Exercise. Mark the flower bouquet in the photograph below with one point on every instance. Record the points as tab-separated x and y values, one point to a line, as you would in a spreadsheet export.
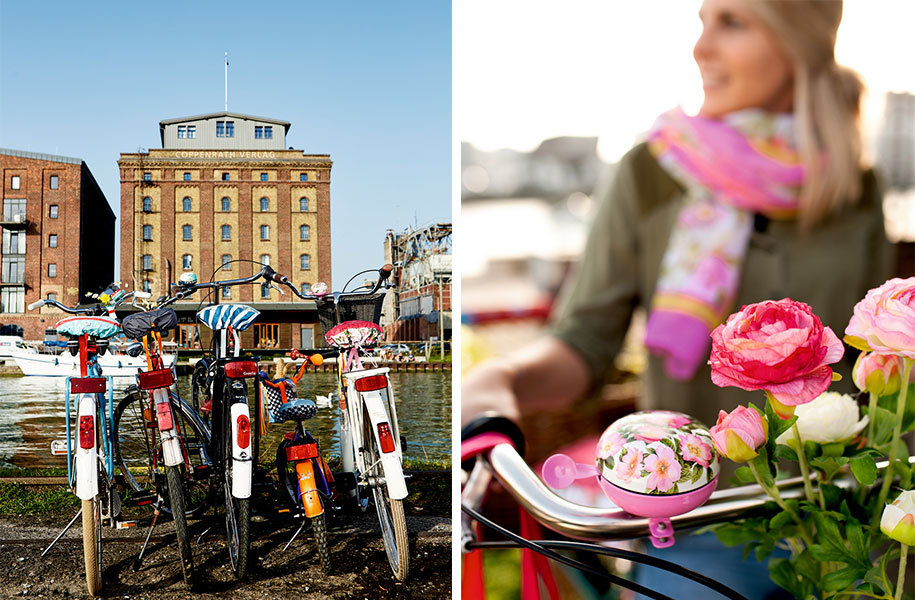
842	533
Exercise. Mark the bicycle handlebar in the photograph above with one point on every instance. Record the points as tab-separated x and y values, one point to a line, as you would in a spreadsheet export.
601	524
383	273
186	290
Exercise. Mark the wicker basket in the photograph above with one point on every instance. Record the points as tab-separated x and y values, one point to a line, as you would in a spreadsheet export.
359	308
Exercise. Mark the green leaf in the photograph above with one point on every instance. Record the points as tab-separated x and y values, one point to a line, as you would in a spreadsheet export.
831	493
904	470
735	535
890	403
776	425
812	450
828	465
833	449
744	475
854	533
783	574
884	422
841	579
808	566
749	548
698	470
824	554
785	452
780	520
874	576
864	468
761	462
827	531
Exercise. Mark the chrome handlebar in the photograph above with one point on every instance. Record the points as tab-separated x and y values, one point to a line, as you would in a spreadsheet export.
594	524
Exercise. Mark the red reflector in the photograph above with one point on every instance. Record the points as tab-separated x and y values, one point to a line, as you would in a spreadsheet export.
243	431
385	437
87	385
372	383
155	379
241	368
86	431
301	452
164	416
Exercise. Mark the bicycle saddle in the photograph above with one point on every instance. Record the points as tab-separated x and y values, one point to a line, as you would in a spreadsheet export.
300	409
138	325
221	316
354	333
97	327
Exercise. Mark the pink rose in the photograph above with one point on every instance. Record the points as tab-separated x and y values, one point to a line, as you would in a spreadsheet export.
694	449
663	469
630	465
609	444
739	434
780	347
885	320
878	373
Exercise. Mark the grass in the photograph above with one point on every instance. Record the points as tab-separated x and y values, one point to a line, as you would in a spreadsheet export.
21	499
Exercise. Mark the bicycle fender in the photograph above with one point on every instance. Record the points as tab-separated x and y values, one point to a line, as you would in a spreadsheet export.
390	462
171	447
86	459
242	461
308	491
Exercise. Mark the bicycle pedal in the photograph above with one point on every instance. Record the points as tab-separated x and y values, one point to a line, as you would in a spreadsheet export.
126	524
59	447
144	499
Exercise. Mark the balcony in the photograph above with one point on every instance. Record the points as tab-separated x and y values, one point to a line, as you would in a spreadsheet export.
14	221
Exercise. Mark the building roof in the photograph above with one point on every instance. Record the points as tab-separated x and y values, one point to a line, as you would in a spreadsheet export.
285	124
39	156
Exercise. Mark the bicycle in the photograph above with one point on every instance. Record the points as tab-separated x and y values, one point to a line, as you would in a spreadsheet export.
300	466
492	448
160	443
370	436
90	466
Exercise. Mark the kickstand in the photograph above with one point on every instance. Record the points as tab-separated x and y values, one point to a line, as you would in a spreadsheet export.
61	534
139	560
296	534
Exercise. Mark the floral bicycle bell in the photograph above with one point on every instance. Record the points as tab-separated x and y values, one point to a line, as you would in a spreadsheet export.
655	464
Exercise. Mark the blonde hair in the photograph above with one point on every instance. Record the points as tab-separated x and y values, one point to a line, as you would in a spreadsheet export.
827	100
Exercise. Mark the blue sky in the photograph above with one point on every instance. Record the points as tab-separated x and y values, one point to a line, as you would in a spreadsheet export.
367	82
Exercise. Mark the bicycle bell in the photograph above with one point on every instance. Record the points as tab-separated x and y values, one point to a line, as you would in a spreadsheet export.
186	279
655	464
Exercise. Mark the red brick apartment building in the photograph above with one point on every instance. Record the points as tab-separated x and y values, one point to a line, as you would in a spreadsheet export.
57	237
223	191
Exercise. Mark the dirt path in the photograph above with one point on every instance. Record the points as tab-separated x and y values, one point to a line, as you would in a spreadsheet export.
360	565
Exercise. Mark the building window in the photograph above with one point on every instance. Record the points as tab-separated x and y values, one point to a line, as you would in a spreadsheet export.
147	285
304	233
306	262
14	210
225	177
186	204
258	132
265	259
52	240
13	242
226	292
226	205
12	300
182	131
265	204
303	176
263	177
267	335
147	176
14	182
265	293
12	269
303	204
147	233
265	232
147	262
192	131
225	128
188	336
226	233
147	204
52	296
52	269
187	262
306	288
187	233
226	262
52	211
187	176
268	132
55	182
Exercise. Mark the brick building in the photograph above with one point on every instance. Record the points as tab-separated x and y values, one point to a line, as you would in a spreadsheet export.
57	237
224	188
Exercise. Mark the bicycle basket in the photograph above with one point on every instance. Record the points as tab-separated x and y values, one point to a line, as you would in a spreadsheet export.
358	308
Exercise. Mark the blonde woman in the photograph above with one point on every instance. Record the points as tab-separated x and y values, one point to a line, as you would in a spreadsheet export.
762	195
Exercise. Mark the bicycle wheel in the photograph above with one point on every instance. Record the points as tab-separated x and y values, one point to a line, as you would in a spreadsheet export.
390	511
92	544
238	516
319	529
176	498
138	452
288	481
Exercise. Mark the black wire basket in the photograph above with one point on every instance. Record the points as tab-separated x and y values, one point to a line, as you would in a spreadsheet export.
359	308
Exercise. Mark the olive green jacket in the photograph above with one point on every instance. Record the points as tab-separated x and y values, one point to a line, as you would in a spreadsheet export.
830	268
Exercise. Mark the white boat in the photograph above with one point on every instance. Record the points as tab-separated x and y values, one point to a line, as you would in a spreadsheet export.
14	345
66	365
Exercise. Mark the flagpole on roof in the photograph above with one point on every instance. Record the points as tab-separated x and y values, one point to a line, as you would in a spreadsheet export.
227	82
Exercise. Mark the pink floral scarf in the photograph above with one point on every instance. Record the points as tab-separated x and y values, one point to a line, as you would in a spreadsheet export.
731	168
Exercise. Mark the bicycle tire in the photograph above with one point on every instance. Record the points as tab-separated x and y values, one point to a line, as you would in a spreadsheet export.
390	511
176	498
137	451
92	544
319	529
289	482
238	515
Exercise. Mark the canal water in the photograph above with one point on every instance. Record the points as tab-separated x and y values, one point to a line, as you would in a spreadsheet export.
32	414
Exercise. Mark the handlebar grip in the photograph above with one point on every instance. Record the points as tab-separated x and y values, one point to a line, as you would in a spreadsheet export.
36	304
142	295
386	270
492	422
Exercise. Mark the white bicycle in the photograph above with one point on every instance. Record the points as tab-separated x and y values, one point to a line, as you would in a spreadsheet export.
370	437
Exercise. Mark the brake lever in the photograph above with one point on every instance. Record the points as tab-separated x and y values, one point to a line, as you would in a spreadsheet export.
277	288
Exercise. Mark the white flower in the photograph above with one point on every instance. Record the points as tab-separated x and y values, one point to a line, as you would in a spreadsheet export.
898	519
830	417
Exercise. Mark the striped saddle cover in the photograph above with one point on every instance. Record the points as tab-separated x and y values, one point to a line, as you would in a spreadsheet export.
222	316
